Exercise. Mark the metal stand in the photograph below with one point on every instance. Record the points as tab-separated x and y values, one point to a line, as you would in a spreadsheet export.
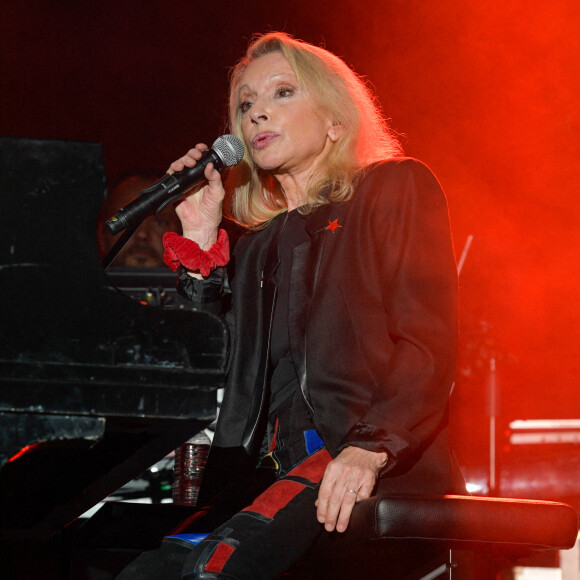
119	245
493	411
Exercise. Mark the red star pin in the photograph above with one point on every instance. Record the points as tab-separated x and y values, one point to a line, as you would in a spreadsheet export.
333	225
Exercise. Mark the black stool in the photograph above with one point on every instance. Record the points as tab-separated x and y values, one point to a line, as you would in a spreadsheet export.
453	537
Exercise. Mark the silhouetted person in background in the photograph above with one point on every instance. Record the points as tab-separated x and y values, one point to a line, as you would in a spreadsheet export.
145	248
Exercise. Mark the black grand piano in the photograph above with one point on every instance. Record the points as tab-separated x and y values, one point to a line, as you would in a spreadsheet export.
94	386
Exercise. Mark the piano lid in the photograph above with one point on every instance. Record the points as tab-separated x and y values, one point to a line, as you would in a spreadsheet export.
94	386
57	304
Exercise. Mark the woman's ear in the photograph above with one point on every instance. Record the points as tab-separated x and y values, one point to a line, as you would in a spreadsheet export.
335	131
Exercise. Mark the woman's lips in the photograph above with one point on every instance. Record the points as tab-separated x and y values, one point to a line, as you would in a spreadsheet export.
262	140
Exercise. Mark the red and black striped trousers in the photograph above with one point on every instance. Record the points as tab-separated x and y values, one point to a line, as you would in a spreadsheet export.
265	538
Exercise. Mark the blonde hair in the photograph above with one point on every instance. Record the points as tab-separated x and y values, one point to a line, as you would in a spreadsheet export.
255	197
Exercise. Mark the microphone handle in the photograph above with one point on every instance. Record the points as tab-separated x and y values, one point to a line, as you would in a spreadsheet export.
167	190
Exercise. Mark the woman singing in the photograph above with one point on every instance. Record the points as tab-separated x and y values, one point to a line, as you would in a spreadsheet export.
343	311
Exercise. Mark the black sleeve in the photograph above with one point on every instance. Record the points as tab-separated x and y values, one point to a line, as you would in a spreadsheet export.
205	294
414	252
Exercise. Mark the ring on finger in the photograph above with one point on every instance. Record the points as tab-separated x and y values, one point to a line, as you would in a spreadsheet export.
352	491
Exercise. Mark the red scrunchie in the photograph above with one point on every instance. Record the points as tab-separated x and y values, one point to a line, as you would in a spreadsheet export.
180	251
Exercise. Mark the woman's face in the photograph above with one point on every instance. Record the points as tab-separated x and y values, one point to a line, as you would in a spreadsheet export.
282	130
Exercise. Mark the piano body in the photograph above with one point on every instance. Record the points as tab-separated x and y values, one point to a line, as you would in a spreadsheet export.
94	386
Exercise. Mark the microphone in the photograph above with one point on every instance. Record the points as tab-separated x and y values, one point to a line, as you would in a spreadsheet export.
226	151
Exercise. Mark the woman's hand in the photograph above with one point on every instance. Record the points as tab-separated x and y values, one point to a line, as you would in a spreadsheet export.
353	470
201	210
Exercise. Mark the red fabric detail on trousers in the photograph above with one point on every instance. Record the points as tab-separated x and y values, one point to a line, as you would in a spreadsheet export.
277	496
313	468
273	442
219	558
282	492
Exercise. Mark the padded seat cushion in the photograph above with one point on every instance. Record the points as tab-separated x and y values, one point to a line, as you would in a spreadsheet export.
466	519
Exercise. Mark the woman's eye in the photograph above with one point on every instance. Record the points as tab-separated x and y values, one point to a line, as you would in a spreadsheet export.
245	106
284	92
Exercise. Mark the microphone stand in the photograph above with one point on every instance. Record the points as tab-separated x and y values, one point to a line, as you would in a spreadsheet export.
119	245
493	412
493	400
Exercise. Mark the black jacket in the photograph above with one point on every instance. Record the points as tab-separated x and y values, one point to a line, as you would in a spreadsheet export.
373	327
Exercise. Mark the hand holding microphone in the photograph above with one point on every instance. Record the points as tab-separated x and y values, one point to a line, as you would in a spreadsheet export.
201	212
226	151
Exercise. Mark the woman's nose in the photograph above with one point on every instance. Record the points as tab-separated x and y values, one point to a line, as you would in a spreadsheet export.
259	112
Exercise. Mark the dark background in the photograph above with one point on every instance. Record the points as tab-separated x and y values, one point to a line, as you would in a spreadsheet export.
486	93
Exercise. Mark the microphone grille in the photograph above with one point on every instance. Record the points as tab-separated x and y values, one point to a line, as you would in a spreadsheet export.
230	149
